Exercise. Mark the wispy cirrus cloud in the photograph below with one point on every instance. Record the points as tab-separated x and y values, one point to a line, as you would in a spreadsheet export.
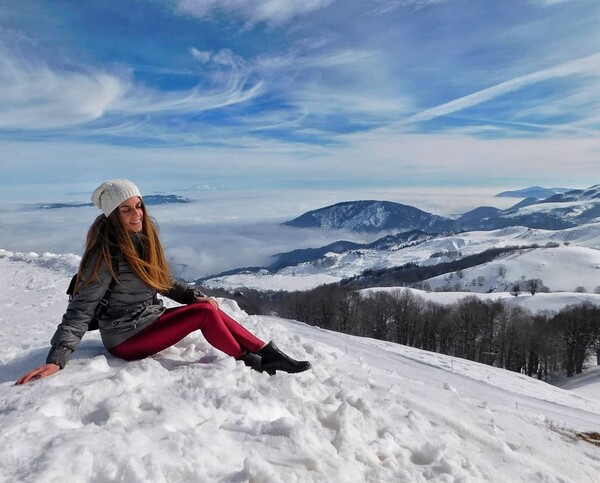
229	83
252	12
36	96
330	89
589	65
385	6
551	2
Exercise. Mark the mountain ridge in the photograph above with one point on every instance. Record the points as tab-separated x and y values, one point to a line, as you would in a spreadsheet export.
571	210
537	192
557	212
372	216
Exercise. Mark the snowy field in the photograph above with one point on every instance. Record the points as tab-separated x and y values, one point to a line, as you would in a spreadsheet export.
369	411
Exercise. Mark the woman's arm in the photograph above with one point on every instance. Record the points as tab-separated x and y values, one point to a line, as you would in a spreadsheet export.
79	313
74	325
39	373
188	295
183	293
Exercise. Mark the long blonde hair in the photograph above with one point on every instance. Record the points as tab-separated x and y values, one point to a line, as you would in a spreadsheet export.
107	239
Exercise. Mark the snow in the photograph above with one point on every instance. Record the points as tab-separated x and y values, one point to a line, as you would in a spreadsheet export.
288	281
368	411
569	209
562	268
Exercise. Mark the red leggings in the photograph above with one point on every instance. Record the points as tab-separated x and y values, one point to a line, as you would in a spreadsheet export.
220	330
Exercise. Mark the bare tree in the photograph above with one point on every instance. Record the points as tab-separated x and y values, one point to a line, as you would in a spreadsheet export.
377	311
533	285
405	311
511	341
579	329
468	314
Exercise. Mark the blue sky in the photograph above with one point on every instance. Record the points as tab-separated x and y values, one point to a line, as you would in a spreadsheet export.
282	94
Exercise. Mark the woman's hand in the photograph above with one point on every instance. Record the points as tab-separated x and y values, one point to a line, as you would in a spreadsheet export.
209	300
39	373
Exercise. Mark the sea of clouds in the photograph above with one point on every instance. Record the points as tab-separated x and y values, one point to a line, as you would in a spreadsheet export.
223	230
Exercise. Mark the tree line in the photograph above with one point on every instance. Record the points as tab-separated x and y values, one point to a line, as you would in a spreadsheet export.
486	331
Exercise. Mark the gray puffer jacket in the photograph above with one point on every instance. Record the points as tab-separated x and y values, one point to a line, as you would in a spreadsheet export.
132	306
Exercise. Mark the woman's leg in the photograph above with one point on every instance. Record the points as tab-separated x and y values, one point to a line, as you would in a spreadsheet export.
220	330
242	335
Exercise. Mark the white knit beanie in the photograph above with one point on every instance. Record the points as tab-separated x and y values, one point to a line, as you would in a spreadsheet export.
110	194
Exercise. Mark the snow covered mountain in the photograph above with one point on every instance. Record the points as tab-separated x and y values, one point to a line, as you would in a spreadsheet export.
590	194
388	242
563	259
570	217
559	211
536	192
368	411
373	216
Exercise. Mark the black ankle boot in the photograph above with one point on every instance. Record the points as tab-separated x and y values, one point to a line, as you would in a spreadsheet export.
275	360
252	360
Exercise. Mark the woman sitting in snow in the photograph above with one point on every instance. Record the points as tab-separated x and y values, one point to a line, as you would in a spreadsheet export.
123	245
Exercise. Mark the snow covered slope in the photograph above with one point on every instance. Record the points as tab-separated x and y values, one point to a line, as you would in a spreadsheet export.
368	411
562	269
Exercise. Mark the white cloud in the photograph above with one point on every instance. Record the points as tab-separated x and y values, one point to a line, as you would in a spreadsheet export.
334	82
36	96
385	6
551	2
202	56
231	85
426	159
367	159
274	12
587	65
